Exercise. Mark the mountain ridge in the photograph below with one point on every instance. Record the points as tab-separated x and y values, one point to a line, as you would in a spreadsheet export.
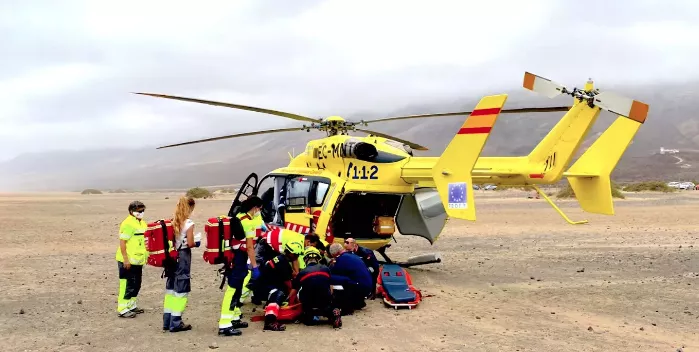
672	123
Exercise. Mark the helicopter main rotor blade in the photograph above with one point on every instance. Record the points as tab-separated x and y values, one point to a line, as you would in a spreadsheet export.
235	106
234	136
504	111
411	144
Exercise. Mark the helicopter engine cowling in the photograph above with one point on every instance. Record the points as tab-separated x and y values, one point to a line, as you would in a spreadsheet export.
360	150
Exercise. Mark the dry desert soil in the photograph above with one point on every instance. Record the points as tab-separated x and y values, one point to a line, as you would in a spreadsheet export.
518	279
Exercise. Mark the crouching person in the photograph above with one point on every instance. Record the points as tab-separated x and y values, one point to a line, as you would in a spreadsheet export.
350	272
314	290
274	283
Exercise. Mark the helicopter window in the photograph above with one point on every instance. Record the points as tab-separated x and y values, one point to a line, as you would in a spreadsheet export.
297	193
321	190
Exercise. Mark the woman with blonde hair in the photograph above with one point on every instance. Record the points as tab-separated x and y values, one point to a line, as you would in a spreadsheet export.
177	284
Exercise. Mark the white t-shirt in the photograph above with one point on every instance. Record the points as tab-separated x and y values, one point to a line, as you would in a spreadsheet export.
182	238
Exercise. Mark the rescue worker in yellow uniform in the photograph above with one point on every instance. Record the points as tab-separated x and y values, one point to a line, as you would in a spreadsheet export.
131	256
260	229
243	250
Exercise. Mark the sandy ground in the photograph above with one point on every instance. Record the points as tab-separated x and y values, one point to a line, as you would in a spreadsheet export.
512	281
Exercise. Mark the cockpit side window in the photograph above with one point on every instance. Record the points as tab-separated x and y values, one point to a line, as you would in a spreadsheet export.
321	190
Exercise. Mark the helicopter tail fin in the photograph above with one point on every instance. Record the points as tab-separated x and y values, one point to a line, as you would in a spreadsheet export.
589	177
452	172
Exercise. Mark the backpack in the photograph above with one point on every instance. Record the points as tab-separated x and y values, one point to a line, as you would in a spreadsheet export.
160	243
220	231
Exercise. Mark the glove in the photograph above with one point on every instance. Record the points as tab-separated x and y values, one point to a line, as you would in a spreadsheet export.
255	273
197	239
264	228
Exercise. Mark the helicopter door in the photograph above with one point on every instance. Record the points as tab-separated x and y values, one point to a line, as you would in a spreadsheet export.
422	214
247	189
326	212
297	214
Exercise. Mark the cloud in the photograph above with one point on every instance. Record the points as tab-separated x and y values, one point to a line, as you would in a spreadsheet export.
67	69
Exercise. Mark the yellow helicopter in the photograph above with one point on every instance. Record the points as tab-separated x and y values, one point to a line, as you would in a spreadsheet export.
345	186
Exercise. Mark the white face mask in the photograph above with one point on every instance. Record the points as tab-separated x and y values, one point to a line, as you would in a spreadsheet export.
138	215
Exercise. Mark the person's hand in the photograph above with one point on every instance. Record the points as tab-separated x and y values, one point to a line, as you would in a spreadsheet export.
255	273
127	265
197	239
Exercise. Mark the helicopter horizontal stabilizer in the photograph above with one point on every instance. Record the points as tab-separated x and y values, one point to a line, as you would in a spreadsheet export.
589	177
452	172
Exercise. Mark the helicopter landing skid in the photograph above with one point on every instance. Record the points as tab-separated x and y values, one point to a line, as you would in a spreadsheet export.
430	258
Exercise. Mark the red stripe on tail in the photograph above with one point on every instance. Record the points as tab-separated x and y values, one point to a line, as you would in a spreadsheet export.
474	130
481	112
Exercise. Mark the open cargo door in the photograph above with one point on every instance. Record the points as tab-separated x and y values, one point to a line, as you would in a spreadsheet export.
422	214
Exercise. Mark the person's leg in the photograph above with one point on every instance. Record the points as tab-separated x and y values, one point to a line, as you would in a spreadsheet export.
225	327
134	287
246	291
274	303
182	288
123	301
240	270
167	302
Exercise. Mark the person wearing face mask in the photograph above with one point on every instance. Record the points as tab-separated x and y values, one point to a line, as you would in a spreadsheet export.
131	256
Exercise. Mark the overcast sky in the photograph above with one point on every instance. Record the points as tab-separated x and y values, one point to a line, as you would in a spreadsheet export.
67	67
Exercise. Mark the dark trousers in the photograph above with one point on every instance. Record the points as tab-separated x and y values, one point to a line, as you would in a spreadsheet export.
236	275
129	286
316	303
177	288
133	277
351	297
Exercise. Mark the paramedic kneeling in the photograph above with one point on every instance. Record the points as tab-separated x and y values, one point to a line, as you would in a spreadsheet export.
368	258
131	256
243	250
274	283
314	290
350	272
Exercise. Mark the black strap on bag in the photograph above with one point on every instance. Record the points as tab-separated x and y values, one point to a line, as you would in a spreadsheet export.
223	271
168	267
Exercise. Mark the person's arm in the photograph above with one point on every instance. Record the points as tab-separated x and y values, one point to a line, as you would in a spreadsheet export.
122	246
125	234
295	267
251	251
190	237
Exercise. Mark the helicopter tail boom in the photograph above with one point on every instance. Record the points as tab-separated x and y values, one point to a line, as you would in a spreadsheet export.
451	173
589	177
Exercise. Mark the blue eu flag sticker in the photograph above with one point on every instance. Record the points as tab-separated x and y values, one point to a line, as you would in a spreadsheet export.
457	195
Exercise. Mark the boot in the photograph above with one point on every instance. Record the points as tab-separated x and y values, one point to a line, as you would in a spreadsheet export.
337	318
129	314
181	327
230	331
138	310
238	324
274	326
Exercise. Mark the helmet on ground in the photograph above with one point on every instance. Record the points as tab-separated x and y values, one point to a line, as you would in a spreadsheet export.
136	205
311	252
294	248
